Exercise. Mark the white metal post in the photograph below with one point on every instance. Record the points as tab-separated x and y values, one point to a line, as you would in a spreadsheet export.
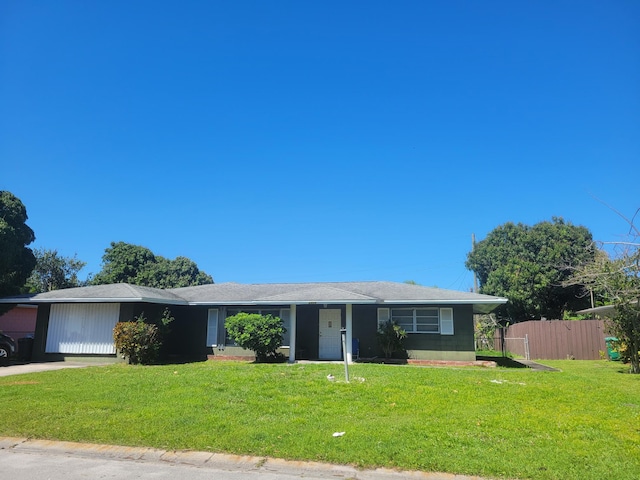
349	327
292	334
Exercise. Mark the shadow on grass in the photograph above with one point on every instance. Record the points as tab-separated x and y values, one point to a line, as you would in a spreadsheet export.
385	361
502	361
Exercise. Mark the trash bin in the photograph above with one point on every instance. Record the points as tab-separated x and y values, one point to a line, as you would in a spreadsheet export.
611	351
25	348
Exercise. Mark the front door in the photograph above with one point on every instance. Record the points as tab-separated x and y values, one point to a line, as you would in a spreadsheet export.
330	341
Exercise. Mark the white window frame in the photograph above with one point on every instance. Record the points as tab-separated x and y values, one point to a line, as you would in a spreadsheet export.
444	323
212	327
384	315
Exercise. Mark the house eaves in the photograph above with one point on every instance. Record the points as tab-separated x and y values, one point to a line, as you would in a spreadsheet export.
479	306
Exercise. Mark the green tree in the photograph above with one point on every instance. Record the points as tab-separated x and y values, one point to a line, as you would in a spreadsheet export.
615	277
261	334
391	338
16	259
127	263
53	271
528	265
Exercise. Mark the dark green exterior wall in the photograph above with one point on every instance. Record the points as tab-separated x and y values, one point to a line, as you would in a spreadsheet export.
188	332
191	334
365	326
185	339
307	326
40	335
459	346
425	346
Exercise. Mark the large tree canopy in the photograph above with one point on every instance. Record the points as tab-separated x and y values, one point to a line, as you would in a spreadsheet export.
528	265
124	262
16	259
53	271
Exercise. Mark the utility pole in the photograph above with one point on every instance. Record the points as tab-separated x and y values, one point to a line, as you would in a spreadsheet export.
475	277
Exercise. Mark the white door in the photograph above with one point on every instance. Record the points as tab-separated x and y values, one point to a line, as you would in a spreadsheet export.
330	341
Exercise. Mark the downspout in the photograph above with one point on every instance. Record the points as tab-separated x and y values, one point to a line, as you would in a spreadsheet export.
292	334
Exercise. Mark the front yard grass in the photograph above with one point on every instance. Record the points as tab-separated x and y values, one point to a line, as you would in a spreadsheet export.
580	423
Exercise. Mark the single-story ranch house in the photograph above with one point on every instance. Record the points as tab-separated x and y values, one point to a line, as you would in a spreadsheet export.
439	323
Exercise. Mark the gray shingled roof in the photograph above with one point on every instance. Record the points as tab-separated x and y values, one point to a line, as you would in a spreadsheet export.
116	292
336	292
270	294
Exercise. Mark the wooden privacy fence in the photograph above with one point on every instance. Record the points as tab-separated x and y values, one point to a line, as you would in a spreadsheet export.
554	339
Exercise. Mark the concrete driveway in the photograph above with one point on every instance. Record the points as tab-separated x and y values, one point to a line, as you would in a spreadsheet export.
19	368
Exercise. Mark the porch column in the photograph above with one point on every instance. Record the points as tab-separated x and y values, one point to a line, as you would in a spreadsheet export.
349	327
292	334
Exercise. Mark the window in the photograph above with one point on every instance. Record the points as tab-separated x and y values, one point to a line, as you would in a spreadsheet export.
424	320
283	314
383	316
212	328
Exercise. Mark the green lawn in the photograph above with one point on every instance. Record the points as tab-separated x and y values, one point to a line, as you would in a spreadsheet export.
580	423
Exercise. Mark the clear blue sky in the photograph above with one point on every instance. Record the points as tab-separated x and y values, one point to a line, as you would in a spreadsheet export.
291	141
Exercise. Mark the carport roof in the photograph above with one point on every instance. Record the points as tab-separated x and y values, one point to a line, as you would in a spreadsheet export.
604	311
110	293
381	293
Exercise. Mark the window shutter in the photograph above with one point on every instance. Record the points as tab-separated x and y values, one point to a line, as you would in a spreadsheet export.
383	316
446	321
285	316
212	328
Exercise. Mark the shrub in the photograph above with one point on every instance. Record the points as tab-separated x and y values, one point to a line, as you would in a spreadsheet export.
390	337
260	333
137	341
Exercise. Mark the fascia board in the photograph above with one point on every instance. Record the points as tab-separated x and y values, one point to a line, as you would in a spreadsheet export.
498	301
222	303
316	302
286	302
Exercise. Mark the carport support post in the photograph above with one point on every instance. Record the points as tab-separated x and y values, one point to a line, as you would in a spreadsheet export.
292	334
349	327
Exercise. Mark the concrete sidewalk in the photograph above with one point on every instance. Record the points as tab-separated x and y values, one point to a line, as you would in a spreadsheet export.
243	466
536	366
